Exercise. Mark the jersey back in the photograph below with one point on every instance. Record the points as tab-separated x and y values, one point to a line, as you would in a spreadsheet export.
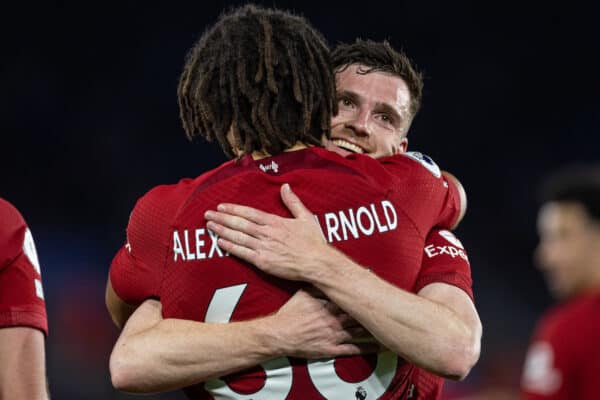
377	213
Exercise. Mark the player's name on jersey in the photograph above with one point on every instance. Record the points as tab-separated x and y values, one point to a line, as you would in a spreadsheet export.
191	244
201	243
362	221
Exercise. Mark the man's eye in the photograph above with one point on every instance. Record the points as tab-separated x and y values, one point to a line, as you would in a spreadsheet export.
345	102
386	118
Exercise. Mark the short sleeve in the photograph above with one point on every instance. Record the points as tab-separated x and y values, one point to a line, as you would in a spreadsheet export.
451	208
137	268
21	293
445	261
428	196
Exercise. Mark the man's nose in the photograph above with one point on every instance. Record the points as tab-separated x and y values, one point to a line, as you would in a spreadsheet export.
360	125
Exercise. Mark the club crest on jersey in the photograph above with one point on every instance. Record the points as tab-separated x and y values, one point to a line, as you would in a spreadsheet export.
272	166
539	374
425	161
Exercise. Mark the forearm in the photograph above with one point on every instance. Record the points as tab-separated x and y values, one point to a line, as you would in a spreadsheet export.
178	353
420	330
22	364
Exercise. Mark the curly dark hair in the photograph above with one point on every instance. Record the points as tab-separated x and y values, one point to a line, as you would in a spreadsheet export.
263	73
381	56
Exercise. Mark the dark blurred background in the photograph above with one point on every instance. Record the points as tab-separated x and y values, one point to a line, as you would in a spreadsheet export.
89	123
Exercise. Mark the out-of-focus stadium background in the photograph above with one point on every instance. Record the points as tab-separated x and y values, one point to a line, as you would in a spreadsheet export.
89	123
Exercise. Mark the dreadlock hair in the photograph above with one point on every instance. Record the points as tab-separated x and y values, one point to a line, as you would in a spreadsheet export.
263	73
381	56
574	184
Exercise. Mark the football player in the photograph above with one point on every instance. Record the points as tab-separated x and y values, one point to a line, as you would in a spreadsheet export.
168	224
563	359
23	322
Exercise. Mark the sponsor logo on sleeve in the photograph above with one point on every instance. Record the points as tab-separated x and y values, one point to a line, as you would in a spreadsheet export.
449	236
454	249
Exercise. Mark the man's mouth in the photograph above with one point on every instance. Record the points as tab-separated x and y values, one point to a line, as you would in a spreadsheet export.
347	146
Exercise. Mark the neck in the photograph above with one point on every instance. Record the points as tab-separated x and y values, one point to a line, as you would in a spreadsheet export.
257	155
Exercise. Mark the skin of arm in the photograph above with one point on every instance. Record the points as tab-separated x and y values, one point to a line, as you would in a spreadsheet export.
119	310
437	329
154	354
22	369
462	195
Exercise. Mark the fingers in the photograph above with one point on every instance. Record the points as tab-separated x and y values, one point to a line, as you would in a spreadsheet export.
251	214
293	202
239	251
366	348
233	222
236	236
354	349
360	335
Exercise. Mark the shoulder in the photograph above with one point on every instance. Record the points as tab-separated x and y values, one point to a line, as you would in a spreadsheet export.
10	220
572	317
156	209
160	204
414	162
12	232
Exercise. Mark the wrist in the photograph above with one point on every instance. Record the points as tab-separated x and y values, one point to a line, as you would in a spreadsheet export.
327	265
268	337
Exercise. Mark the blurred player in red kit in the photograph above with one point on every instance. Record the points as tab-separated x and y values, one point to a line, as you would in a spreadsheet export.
563	359
172	255
23	322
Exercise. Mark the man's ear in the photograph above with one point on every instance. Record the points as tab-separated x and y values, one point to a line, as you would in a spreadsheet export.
402	146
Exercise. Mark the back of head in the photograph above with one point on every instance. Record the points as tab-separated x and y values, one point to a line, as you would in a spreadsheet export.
265	75
578	184
381	57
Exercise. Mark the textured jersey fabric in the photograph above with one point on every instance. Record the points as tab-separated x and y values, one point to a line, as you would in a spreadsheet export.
21	294
563	359
379	213
445	260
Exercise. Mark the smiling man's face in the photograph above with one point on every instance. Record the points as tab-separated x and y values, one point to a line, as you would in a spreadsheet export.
374	113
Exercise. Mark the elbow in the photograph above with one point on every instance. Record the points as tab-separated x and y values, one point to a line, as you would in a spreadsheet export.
459	368
464	357
120	373
124	375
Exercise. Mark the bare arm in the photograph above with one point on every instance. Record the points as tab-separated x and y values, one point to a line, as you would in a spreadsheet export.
461	193
438	330
154	354
119	310
22	364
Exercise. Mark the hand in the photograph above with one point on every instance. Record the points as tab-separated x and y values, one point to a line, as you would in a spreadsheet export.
309	327
286	247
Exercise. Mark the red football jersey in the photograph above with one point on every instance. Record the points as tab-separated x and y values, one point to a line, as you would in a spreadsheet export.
563	359
378	212
444	261
21	295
